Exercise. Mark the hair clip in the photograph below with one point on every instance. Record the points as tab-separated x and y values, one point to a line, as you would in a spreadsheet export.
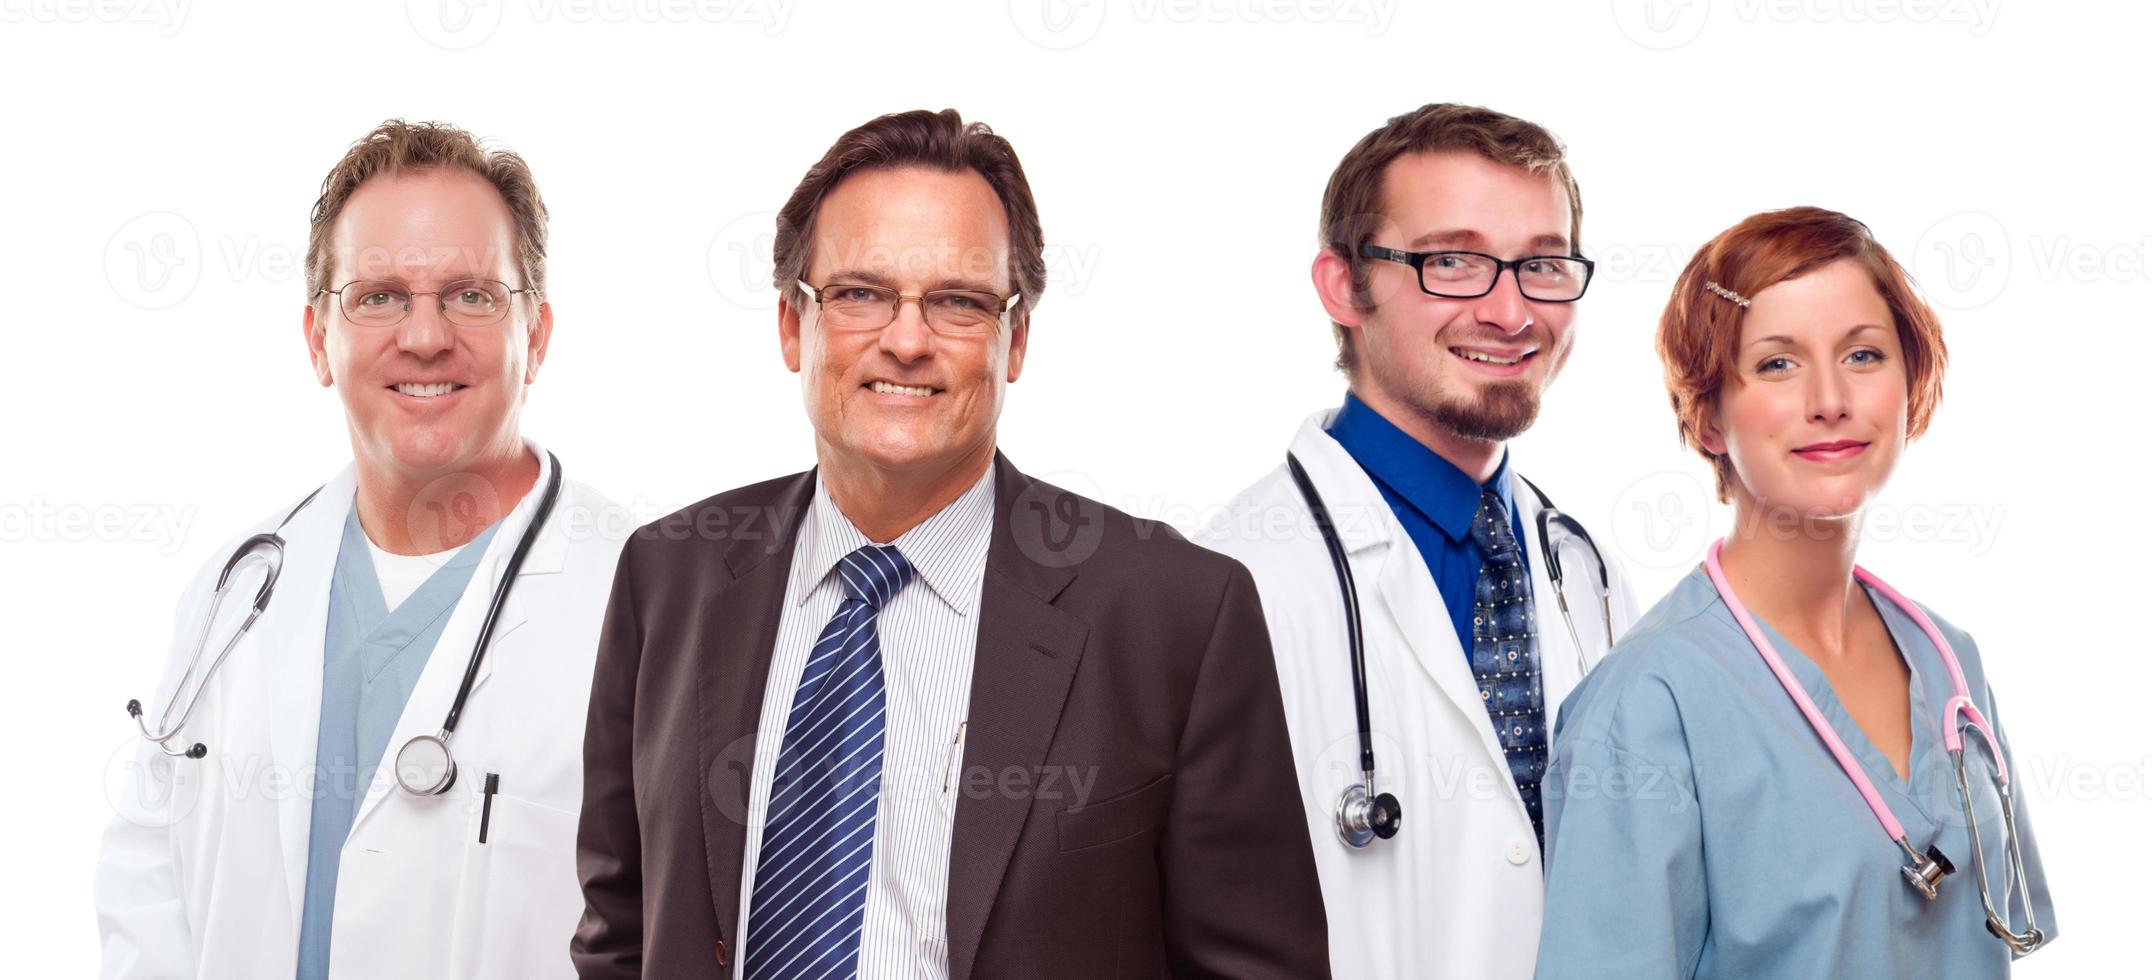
1725	293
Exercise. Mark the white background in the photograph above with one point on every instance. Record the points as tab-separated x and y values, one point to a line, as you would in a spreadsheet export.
160	160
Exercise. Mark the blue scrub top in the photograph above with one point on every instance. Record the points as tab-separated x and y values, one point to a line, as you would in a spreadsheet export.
371	660
1698	827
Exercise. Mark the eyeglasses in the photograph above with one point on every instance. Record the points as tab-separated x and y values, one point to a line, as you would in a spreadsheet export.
957	312
386	302
1471	275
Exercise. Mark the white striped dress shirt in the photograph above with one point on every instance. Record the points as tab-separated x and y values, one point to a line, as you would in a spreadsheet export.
929	633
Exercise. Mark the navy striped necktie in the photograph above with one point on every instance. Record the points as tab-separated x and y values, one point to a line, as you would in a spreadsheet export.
810	897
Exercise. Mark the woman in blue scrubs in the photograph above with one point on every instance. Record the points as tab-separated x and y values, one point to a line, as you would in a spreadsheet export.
1711	813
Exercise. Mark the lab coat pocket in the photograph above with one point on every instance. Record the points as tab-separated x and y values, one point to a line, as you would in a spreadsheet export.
1116	819
519	901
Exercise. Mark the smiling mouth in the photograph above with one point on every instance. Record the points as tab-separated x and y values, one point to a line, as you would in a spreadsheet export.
1488	357
1827	451
427	391
891	388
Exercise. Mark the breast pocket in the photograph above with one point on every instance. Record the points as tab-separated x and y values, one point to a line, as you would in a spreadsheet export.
519	900
1120	818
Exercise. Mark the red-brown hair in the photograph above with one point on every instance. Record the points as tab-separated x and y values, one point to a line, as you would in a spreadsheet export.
1700	330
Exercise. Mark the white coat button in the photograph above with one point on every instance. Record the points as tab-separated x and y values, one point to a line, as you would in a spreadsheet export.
1520	852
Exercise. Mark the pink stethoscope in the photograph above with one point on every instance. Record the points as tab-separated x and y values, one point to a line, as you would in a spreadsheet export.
1922	871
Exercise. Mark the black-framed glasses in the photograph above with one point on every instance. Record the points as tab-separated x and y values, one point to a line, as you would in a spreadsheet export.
1471	275
386	302
858	306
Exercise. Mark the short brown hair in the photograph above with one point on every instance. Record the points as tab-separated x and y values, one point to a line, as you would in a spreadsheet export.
1353	206
919	138
1701	330
397	147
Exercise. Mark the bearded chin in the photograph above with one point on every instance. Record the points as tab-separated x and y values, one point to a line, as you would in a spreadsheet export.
1502	412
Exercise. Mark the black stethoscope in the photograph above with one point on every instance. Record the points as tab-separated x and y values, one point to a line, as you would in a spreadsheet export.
424	766
1364	815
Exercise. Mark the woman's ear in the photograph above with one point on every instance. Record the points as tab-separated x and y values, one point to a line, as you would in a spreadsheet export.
1711	437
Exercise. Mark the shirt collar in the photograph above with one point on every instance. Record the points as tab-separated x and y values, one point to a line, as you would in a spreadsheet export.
947	550
1432	485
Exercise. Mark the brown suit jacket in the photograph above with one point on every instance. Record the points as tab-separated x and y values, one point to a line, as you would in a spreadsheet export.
1109	647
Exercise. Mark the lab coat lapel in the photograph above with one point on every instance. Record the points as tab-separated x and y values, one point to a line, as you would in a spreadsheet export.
1024	663
1404	592
451	656
290	645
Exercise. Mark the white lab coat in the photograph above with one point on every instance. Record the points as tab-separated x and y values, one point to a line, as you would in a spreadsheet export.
202	872
1458	891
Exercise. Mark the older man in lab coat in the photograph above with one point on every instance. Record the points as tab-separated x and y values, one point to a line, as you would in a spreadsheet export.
288	847
1450	272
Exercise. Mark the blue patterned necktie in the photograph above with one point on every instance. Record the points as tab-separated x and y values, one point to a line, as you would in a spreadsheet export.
1505	654
810	896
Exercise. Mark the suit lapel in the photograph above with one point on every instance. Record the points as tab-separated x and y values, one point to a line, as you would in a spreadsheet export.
1026	658
732	656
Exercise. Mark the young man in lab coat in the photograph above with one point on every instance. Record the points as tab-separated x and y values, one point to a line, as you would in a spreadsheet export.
289	847
1449	270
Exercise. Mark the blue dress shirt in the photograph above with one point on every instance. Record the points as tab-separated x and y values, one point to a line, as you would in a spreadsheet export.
1432	498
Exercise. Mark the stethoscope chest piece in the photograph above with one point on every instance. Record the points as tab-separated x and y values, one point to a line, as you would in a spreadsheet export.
1925	871
424	766
1363	818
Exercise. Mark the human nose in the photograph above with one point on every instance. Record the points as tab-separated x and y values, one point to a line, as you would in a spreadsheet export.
1504	307
907	337
425	330
1828	396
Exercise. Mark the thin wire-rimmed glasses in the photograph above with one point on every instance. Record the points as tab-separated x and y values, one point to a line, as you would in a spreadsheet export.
386	302
957	312
1455	274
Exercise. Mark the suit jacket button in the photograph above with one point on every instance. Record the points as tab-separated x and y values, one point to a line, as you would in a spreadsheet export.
721	952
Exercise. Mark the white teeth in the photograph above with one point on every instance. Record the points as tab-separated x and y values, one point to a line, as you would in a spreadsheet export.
426	391
894	389
1473	355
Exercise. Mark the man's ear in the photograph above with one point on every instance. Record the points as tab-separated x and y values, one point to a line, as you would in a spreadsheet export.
1019	342
317	339
1332	276
541	337
788	332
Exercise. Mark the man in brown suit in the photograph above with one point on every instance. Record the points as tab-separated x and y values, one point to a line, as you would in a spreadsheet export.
913	713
